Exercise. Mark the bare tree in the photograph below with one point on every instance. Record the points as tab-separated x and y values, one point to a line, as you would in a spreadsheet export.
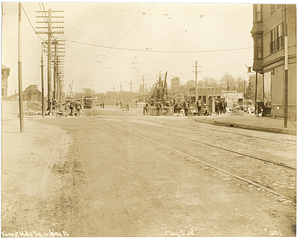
227	82
240	84
209	82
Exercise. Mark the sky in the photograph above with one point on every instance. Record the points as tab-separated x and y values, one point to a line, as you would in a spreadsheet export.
113	44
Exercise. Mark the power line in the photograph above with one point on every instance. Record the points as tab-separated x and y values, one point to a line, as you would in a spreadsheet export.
157	51
187	25
156	14
135	24
30	22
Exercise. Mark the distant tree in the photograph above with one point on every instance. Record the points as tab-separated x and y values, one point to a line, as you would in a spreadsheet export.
227	82
240	84
208	82
250	91
189	84
88	91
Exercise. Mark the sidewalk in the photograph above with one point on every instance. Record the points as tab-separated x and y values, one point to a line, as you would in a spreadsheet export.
251	122
27	159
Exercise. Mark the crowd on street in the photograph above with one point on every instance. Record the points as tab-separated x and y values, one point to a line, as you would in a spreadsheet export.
70	108
173	106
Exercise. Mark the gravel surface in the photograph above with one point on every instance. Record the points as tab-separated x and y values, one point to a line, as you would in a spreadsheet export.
107	181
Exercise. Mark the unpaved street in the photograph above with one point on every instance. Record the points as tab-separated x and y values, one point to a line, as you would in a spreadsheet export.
128	175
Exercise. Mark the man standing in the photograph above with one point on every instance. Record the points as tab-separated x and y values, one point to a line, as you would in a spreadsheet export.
145	108
199	105
186	107
159	108
78	107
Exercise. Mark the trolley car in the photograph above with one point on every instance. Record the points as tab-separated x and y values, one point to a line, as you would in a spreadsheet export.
88	102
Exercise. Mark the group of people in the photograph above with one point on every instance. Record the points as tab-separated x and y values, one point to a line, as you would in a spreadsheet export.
162	106
102	105
220	106
70	108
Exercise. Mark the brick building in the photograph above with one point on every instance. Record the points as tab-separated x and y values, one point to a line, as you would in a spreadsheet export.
31	93
269	24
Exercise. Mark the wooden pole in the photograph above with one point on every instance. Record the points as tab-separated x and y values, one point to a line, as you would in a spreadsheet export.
20	73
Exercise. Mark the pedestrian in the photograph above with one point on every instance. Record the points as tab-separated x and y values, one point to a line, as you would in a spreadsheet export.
223	106
127	107
186	107
175	106
145	108
71	108
78	107
159	107
217	106
103	104
199	105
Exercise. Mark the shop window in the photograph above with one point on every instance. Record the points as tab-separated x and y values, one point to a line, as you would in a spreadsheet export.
267	89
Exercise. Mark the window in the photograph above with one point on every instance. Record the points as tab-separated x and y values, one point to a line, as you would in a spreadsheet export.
279	37
276	38
258	12
259	48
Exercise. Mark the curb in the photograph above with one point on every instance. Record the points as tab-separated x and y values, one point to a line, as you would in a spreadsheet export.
251	127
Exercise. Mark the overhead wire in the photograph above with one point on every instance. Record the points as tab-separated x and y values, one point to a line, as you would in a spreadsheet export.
30	22
186	25
157	51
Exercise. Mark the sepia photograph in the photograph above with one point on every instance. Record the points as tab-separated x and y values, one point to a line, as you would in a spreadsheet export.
148	119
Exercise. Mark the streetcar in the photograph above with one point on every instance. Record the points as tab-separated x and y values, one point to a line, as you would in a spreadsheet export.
88	102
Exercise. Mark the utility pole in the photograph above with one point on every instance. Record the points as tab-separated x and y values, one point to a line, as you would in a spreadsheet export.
42	79
286	79
130	91
50	31
20	73
196	82
55	70
143	88
121	91
255	93
114	88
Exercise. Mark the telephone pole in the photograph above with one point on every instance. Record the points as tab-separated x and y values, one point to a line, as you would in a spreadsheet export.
50	30
20	72
143	88
286	79
114	88
42	79
130	91
196	82
121	91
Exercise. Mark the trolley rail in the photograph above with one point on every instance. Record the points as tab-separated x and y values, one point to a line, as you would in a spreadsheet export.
205	163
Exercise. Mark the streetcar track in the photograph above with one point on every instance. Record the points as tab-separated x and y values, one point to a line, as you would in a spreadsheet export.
225	131
235	152
229	150
205	163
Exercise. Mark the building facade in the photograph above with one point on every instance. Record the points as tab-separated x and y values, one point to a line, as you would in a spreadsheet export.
271	23
4	82
233	98
31	93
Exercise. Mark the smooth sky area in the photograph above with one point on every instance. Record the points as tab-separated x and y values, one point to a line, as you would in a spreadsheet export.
108	44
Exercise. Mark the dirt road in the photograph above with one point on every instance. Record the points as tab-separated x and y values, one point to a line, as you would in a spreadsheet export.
125	176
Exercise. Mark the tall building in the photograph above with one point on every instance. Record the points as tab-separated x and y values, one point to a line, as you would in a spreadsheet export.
270	21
